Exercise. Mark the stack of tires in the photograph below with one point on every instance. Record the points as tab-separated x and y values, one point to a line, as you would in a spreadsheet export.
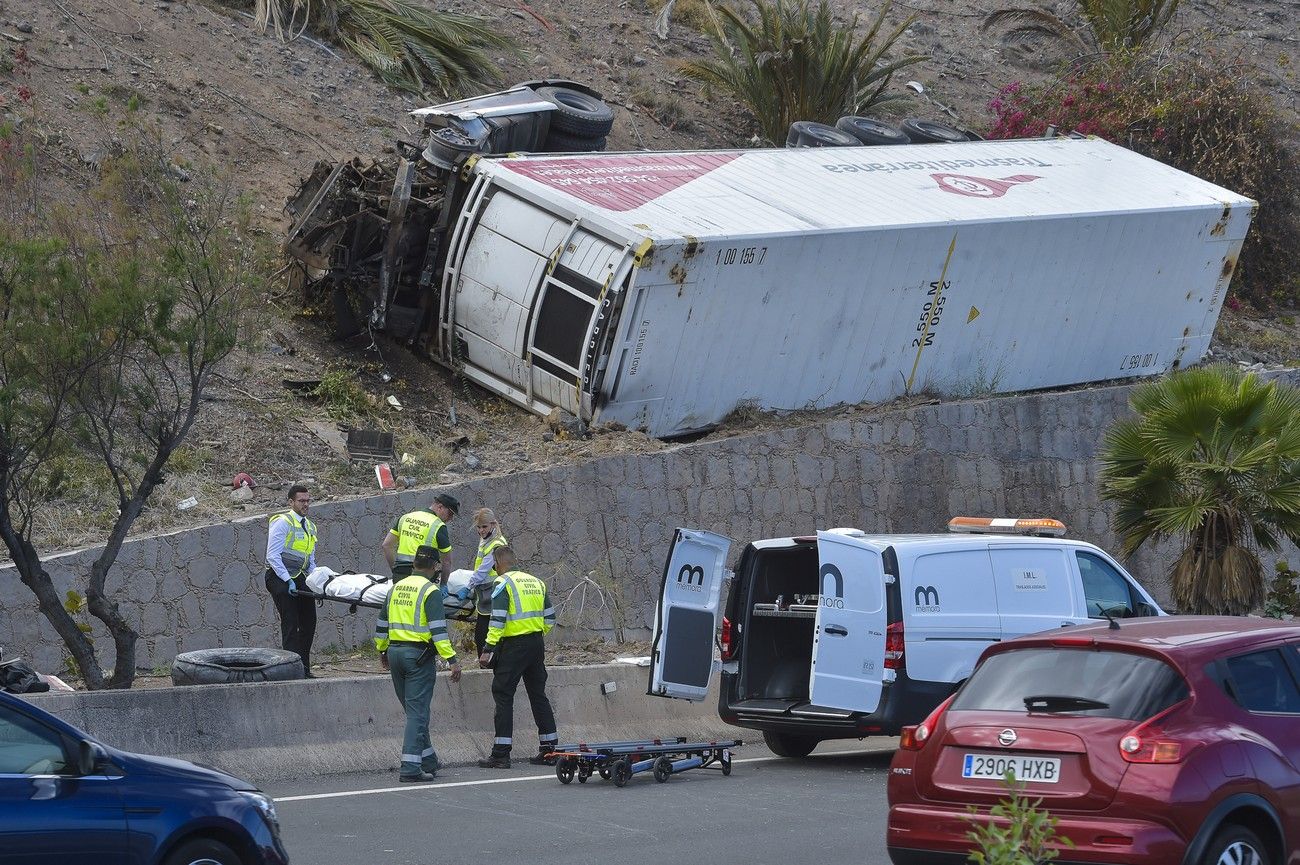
858	131
580	122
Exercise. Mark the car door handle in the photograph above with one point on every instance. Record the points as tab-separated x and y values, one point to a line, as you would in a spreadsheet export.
836	630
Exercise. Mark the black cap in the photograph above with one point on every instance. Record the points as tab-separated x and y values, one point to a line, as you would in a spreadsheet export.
425	555
448	501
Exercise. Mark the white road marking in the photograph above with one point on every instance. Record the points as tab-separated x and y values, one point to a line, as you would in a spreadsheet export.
411	788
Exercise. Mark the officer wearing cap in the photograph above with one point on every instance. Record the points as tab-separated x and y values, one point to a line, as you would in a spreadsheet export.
421	529
412	627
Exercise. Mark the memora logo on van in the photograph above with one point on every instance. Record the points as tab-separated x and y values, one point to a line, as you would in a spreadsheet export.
691	578
832	594
927	599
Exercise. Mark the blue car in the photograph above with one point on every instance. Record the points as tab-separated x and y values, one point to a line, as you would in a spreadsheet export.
66	799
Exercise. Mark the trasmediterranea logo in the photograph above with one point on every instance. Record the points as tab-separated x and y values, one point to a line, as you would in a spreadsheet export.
980	187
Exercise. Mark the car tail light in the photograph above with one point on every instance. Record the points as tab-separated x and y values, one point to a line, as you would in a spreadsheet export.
914	738
1149	743
726	640
894	646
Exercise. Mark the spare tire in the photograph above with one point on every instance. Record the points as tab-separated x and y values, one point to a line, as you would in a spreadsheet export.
577	113
931	131
558	142
808	133
868	130
223	666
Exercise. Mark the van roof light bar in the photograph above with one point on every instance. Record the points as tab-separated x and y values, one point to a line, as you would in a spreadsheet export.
1041	526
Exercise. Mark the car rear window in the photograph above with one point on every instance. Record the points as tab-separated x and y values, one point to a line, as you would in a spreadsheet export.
1128	686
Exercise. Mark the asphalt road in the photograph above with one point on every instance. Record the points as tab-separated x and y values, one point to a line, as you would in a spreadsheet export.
829	808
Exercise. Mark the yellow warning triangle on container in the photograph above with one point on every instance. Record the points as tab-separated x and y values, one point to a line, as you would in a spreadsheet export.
972	315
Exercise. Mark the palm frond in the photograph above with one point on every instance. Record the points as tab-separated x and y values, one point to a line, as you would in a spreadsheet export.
408	45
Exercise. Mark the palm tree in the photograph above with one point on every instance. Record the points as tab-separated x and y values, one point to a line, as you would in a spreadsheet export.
1212	457
797	63
407	44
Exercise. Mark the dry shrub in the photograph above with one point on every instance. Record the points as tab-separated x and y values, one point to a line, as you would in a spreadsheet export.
1198	114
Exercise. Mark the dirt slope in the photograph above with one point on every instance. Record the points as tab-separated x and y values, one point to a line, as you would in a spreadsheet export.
225	95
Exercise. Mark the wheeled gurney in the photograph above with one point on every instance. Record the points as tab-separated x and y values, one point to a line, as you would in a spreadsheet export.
619	761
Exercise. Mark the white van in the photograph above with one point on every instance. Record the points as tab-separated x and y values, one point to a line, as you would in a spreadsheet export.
846	634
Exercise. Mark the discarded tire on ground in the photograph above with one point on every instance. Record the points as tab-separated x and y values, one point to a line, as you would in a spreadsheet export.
577	113
870	131
930	131
223	666
807	133
559	142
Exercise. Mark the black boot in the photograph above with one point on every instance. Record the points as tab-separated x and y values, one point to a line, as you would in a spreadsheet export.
543	758
496	760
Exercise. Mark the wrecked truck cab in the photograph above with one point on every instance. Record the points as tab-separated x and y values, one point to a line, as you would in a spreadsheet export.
514	120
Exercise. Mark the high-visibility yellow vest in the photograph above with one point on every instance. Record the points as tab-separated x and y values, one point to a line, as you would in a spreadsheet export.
406	617
485	547
299	543
414	530
526	613
483	605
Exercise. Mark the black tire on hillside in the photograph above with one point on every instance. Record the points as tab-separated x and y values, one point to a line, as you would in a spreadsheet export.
870	131
224	666
577	113
931	131
808	133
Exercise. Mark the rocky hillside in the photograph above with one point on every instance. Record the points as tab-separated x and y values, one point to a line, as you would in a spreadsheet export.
223	94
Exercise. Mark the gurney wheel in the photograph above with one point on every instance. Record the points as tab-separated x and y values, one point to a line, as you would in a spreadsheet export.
663	769
564	770
604	771
584	772
622	773
726	764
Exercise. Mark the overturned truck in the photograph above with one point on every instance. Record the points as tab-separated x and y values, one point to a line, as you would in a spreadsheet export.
664	290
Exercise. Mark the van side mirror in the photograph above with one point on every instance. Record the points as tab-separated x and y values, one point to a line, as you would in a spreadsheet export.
88	757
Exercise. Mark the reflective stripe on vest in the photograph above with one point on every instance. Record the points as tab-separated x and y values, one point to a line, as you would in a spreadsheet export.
406	618
414	530
299	543
483	593
526	614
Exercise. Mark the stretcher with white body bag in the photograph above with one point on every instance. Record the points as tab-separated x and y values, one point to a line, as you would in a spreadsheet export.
371	590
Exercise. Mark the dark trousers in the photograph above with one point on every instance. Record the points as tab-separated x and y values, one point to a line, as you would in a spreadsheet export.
297	617
480	631
522	657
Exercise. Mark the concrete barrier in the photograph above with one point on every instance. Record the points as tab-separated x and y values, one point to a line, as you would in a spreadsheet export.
276	730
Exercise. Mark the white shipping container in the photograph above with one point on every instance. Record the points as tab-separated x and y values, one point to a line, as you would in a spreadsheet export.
664	290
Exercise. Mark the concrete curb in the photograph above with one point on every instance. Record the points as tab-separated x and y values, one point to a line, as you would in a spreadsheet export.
275	730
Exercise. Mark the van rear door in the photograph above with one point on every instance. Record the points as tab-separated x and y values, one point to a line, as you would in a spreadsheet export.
849	636
681	653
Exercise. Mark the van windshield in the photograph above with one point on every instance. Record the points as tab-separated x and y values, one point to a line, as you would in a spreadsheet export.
1102	684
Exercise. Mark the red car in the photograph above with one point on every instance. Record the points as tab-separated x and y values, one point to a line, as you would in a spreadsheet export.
1154	741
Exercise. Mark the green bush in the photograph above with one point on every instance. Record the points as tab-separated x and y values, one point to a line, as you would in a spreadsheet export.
1020	833
797	63
1198	114
1283	597
1123	24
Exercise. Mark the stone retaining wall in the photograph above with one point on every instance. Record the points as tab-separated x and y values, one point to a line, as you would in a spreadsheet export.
905	470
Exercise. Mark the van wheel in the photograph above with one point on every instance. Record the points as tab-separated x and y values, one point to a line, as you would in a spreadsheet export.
787	745
1236	845
203	851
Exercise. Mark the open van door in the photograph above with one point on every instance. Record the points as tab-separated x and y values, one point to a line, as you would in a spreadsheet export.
681	653
849	637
